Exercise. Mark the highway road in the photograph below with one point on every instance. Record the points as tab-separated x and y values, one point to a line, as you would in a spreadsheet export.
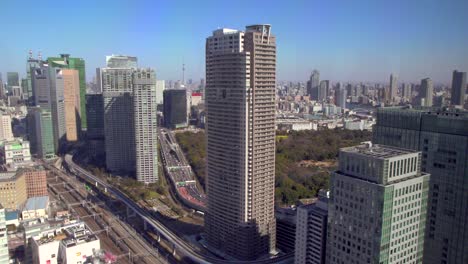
179	170
182	247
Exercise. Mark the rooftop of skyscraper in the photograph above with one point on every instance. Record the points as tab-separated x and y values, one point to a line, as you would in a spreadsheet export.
376	151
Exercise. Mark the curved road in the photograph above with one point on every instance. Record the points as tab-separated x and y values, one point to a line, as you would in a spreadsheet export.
182	247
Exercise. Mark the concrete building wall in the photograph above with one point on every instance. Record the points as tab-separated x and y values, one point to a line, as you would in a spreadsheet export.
4	255
240	101
36	182
72	107
375	216
12	190
6	132
119	128
145	116
311	231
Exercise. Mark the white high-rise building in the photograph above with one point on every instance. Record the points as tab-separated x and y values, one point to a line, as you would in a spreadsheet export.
427	90
377	209
145	116
311	231
240	102
160	87
6	132
130	120
4	256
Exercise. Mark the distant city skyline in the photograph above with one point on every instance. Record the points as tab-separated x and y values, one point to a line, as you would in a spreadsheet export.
347	41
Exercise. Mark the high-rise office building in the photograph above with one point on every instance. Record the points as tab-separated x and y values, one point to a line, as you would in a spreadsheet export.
377	209
6	132
4	254
442	136
175	108
313	85
311	231
341	98
240	103
160	87
117	92
2	89
48	85
13	79
71	94
121	61
458	88
323	90
426	90
40	132
393	88
407	91
31	64
146	119
65	61
95	116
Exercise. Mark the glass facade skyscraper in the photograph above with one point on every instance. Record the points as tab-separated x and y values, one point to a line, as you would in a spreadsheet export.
442	137
65	61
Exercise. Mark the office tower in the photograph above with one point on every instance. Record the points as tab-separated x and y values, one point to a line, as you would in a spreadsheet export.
48	85
58	105
377	209
341	98
95	116
160	87
71	94
40	132
121	61
311	231
393	88
407	91
145	116
67	62
323	90
442	136
175	108
240	103
427	90
13	79
31	64
5	127
2	89
117	92
313	85
458	88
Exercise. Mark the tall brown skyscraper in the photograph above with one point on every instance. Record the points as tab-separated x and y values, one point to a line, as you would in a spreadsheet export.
71	95
240	101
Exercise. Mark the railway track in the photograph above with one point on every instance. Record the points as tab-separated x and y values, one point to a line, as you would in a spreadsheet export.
115	236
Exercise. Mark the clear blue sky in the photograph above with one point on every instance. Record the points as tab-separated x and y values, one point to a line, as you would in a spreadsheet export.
345	40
